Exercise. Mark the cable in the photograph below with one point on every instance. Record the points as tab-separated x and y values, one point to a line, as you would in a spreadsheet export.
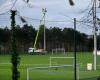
38	20
27	2
45	20
87	8
10	8
4	13
13	4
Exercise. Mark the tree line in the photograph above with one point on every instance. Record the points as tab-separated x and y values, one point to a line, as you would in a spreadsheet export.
55	38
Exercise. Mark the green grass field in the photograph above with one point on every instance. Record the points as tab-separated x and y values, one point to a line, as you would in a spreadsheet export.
32	61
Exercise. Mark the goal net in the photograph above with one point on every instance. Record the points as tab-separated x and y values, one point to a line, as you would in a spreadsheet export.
59	68
64	72
58	51
58	61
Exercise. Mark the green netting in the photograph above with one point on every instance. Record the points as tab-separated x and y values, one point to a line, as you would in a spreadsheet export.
52	73
57	61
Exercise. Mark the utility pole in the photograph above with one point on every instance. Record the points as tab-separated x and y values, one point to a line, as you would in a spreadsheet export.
75	63
15	55
95	34
44	13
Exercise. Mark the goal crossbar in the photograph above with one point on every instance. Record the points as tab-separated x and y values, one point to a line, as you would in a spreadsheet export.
57	50
51	67
50	59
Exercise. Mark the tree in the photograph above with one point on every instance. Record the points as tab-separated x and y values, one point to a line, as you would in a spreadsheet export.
68	38
56	37
40	38
26	36
15	55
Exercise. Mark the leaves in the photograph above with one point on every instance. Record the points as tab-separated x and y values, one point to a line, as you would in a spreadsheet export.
15	55
71	2
55	37
23	20
27	1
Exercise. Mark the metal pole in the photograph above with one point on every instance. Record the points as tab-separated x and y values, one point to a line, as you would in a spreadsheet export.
50	61
95	35
44	34
75	70
78	72
27	74
44	12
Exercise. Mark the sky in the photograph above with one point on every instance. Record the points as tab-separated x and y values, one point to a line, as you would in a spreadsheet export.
57	10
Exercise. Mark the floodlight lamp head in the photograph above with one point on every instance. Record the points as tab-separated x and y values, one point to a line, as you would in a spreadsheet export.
44	10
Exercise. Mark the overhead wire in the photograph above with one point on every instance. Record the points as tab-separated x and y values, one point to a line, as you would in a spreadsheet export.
66	16
85	21
13	4
46	20
9	9
5	20
80	21
87	11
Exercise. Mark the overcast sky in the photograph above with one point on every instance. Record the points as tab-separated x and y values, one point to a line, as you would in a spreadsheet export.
57	10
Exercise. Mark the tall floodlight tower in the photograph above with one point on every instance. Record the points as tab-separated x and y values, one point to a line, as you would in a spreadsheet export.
44	13
94	33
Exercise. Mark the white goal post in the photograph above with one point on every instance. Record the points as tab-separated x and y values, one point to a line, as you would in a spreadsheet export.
50	67
98	52
57	50
50	59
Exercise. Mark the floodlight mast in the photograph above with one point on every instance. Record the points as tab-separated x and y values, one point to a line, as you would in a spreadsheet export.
95	34
43	19
44	13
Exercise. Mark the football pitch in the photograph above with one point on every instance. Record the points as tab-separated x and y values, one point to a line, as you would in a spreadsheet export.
40	70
